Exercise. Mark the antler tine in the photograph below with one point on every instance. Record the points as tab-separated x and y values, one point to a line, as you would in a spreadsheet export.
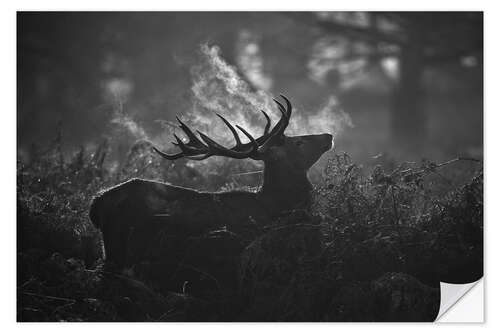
254	143
193	149
193	139
268	122
281	107
232	129
287	111
288	105
179	142
218	149
186	148
199	158
210	142
167	156
280	127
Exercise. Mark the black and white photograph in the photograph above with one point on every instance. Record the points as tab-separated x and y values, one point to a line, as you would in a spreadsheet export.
247	166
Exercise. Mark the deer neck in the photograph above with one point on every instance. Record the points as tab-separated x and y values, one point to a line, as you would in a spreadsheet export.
284	187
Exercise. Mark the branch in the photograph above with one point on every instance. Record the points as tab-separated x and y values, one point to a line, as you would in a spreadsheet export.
369	34
432	167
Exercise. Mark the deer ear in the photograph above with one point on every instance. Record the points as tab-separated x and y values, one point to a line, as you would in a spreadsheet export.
271	150
274	153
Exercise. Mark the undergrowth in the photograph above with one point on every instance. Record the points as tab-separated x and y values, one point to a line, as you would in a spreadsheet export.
411	219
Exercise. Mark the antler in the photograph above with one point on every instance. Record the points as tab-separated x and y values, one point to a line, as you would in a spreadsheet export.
200	149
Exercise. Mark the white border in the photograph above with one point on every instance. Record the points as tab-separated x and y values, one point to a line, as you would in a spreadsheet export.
8	151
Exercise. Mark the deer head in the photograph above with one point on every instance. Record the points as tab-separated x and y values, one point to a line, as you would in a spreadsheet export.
142	204
286	158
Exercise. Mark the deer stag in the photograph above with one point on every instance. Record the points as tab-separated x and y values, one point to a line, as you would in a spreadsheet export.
139	203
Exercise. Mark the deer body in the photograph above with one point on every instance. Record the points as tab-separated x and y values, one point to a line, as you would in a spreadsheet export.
148	206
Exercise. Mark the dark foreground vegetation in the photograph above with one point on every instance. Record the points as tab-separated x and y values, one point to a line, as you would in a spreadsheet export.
373	247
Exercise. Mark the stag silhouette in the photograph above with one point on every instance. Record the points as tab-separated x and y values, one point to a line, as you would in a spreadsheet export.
140	203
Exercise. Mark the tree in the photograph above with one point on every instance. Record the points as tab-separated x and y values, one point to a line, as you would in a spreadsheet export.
418	40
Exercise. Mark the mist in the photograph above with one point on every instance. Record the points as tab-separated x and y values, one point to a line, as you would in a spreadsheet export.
124	77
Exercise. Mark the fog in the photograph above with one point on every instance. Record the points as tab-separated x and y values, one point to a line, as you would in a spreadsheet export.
405	85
